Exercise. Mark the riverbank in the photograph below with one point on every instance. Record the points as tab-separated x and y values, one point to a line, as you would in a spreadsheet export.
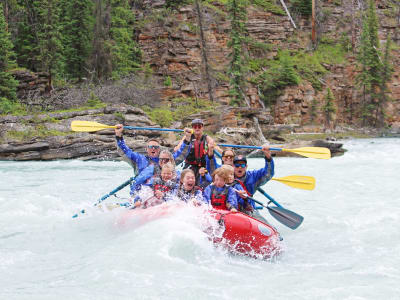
49	136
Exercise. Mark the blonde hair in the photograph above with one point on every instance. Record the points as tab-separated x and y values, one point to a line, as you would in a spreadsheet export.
184	172
223	173
228	168
168	166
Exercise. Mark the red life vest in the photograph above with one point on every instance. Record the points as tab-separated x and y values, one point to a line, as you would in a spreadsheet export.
218	199
163	186
197	154
243	186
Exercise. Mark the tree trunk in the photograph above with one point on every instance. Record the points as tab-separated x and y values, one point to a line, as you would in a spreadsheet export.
204	52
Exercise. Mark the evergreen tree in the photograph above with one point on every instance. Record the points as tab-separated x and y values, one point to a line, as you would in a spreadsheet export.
77	35
386	75
8	85
100	61
26	42
125	54
329	107
38	43
115	52
238	16
371	65
49	37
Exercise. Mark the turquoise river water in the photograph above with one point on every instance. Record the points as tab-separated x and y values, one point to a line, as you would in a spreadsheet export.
348	246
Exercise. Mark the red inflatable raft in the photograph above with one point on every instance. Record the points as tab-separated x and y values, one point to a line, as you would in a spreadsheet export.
246	235
234	231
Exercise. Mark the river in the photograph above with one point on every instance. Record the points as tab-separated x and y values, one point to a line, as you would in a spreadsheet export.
348	246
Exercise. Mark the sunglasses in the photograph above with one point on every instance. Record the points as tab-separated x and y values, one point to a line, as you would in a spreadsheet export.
153	147
164	160
197	126
228	156
240	165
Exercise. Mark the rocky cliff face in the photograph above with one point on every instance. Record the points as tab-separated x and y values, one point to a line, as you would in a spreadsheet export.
173	48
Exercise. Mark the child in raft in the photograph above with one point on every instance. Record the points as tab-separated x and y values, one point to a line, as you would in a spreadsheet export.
188	191
219	194
245	204
164	187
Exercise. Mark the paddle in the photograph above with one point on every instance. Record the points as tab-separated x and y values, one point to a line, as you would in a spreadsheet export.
88	126
283	215
298	181
118	188
312	152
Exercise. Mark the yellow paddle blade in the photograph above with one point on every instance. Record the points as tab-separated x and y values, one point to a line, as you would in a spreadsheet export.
313	152
298	181
88	126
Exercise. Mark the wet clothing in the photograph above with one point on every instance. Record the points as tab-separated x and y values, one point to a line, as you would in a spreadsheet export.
212	193
196	155
244	205
196	193
141	161
197	152
256	178
204	181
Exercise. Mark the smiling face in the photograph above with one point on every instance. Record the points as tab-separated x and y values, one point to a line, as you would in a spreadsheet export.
188	181
198	129
240	168
167	172
153	149
227	158
164	159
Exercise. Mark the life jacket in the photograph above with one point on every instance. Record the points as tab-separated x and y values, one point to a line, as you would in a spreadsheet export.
186	195
196	156
218	199
247	207
242	185
163	186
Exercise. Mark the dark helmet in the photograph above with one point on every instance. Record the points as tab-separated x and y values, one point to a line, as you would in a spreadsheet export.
197	121
240	158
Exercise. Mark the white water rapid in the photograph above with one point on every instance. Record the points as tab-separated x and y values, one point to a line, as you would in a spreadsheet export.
348	246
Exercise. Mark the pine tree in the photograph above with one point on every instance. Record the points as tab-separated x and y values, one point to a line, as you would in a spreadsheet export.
125	54
115	52
329	107
26	43
77	35
38	43
369	59
8	85
238	16
49	38
386	75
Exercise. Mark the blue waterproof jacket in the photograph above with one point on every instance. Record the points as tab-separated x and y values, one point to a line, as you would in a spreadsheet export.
141	161
237	186
231	197
255	178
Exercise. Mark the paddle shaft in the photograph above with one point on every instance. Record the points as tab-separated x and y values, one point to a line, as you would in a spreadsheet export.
248	147
155	129
118	188
268	196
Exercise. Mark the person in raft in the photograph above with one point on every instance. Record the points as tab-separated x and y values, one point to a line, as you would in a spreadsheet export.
252	180
199	146
164	187
219	194
140	161
147	176
188	191
245	205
